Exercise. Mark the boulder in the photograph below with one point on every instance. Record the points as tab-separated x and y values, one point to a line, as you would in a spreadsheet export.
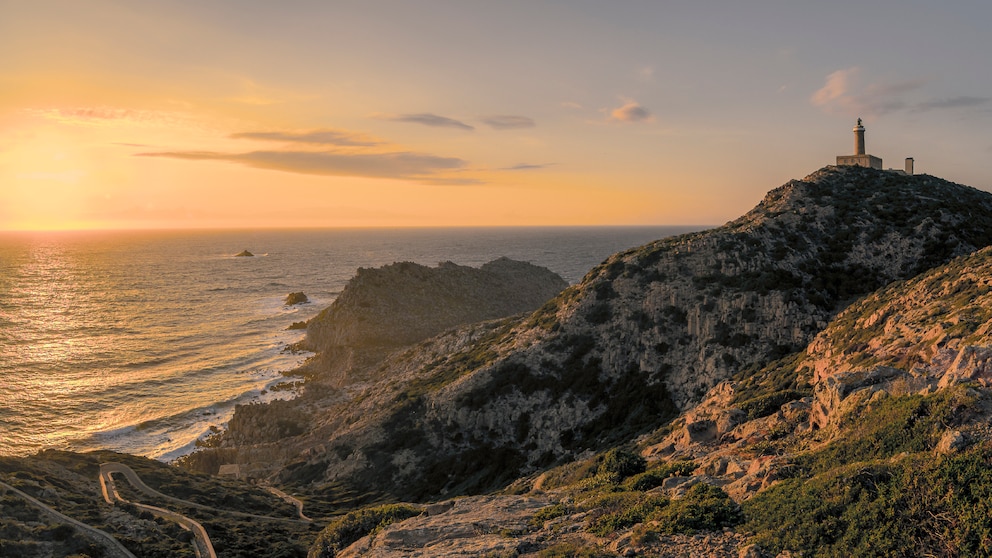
293	299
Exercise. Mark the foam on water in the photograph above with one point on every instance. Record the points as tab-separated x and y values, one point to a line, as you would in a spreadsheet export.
143	342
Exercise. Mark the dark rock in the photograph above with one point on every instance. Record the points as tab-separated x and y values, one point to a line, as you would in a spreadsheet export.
293	299
297	325
403	303
244	254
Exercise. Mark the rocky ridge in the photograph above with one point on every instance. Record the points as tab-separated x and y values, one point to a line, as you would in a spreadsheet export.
897	388
383	309
644	335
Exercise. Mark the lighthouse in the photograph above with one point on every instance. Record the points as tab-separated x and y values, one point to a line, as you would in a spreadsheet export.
859	139
860	157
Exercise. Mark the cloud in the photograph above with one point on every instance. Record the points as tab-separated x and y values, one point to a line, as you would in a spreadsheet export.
108	116
508	122
397	165
322	137
953	102
838	86
842	93
571	105
631	111
427	119
527	166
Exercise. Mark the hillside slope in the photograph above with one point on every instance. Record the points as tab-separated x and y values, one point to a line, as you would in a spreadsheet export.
882	448
644	335
383	309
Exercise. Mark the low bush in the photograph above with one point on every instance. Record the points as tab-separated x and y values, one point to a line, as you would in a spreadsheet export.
345	530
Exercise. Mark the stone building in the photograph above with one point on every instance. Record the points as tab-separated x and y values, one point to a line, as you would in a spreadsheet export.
862	159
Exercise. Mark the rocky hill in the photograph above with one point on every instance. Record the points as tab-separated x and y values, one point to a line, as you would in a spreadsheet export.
814	377
643	336
385	308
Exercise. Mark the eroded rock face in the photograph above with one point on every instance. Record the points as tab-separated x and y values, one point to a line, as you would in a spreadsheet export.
404	303
644	335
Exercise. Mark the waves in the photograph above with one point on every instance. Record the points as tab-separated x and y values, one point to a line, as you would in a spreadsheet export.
144	342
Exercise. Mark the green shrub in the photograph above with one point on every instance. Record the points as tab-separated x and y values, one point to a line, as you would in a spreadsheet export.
548	513
619	463
654	477
345	530
616	511
703	508
570	550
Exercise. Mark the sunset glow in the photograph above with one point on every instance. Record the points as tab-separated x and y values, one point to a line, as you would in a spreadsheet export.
251	114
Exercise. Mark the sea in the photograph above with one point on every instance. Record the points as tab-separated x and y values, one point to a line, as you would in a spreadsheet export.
144	342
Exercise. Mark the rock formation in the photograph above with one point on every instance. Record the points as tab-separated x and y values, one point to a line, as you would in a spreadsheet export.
643	336
293	299
244	254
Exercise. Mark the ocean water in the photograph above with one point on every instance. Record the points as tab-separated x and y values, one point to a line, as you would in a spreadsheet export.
142	341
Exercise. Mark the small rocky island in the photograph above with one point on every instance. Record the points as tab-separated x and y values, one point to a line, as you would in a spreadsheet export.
244	254
292	299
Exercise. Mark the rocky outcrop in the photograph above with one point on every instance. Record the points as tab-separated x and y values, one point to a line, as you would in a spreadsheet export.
643	336
482	526
244	254
403	303
913	338
292	299
383	309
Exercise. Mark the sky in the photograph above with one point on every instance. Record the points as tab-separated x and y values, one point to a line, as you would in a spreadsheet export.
234	114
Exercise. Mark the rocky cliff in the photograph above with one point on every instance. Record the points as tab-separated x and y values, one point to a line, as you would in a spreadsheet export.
385	308
643	336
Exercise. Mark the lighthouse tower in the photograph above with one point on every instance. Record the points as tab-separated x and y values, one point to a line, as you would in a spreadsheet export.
860	158
859	139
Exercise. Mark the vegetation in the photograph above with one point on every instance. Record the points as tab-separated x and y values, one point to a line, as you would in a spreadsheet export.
68	482
343	531
878	490
915	506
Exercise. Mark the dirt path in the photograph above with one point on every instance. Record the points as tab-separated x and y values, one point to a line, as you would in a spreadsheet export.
201	541
114	548
136	481
292	500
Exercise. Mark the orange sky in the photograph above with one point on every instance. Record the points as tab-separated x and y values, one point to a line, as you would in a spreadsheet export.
389	113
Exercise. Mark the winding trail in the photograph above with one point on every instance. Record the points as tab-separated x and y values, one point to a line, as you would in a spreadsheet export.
113	547
135	480
292	500
201	541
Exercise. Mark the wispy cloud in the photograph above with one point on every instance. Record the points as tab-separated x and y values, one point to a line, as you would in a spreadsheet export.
320	137
843	93
126	144
571	105
951	103
402	165
631	111
427	119
508	122
103	116
527	166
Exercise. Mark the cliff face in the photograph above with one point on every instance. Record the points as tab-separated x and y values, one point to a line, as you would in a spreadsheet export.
644	335
385	308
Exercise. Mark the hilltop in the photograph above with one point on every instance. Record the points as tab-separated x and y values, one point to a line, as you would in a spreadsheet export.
815	376
643	337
